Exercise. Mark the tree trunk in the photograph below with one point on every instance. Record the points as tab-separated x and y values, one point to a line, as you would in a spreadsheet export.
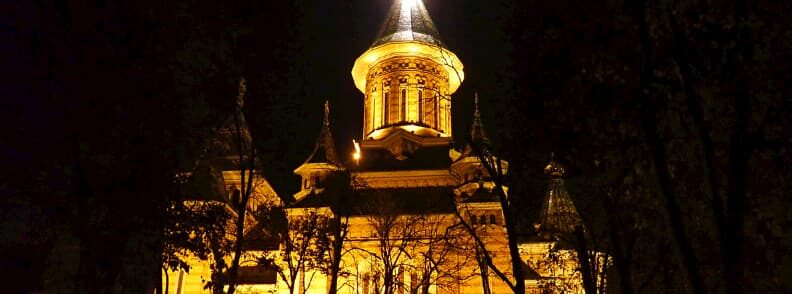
485	287
585	262
621	259
649	122
338	246
167	283
511	234
739	153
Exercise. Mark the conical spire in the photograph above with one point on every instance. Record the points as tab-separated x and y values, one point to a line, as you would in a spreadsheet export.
407	21
241	96
477	132
230	123
558	214
324	151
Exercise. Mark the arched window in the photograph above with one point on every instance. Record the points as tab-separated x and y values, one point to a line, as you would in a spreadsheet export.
420	106
385	103
472	219
492	219
421	86
436	112
373	109
483	219
404	104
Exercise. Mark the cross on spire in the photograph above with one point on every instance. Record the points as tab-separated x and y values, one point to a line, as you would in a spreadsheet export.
324	150
477	132
241	96
327	113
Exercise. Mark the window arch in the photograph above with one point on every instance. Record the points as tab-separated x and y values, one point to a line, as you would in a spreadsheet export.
404	104
493	220
420	105
483	219
385	102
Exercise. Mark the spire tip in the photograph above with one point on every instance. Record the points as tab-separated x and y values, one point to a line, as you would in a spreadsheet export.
327	112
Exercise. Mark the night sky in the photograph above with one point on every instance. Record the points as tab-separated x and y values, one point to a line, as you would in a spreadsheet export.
65	56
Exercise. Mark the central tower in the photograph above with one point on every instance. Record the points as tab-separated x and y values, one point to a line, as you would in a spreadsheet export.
407	77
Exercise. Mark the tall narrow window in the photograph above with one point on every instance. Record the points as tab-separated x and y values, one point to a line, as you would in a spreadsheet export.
385	103
404	104
420	106
436	112
372	110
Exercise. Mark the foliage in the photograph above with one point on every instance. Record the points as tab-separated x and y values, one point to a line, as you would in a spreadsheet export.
192	226
305	247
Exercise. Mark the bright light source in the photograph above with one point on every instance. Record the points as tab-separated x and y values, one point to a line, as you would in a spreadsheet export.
410	3
356	155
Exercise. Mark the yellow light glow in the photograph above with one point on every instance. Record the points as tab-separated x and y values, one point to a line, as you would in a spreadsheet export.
356	155
446	58
408	4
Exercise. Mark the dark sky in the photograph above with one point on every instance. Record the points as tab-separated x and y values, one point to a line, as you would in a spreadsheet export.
99	69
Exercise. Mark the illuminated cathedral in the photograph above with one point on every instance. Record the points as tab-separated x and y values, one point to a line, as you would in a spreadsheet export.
413	190
414	203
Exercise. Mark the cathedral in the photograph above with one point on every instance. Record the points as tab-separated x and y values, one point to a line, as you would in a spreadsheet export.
409	213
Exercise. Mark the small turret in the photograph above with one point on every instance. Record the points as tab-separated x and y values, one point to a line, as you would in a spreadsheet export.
558	215
467	166
322	161
477	133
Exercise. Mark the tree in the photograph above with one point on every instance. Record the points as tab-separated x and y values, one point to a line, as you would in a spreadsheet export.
494	168
213	214
442	254
192	229
395	235
340	187
654	126
305	246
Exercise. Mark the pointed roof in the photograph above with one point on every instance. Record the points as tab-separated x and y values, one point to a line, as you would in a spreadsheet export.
230	123
408	20
223	148
408	30
477	132
324	150
558	214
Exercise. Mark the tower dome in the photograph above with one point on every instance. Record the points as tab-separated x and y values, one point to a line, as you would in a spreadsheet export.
407	76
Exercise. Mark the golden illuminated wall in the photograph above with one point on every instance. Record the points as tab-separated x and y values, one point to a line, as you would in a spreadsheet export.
407	90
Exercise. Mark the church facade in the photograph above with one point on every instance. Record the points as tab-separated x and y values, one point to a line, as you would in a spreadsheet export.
408	213
418	205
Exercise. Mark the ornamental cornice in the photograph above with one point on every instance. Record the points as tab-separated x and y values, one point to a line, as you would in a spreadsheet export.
406	179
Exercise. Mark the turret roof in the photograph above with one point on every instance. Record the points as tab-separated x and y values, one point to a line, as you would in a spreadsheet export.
478	135
558	214
477	132
324	150
408	20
